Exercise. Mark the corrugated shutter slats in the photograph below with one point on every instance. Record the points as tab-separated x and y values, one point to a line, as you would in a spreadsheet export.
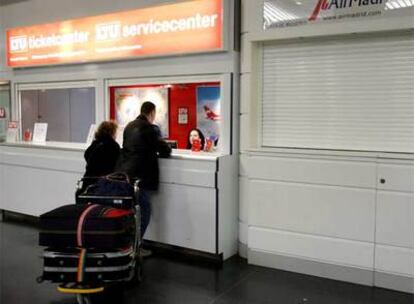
342	94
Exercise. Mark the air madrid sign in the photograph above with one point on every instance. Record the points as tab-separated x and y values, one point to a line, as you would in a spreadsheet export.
326	5
184	27
291	13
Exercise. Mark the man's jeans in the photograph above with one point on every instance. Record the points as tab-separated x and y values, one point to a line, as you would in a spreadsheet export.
145	206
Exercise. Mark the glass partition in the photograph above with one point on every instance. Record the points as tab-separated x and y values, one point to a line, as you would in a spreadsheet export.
4	110
181	109
69	112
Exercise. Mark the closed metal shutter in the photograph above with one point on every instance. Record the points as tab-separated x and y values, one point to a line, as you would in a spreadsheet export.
342	94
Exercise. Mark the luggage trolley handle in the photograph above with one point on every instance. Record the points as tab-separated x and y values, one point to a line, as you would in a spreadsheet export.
136	186
80	185
115	188
137	215
88	179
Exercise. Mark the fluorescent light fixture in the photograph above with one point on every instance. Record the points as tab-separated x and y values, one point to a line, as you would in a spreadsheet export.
401	3
275	14
398	4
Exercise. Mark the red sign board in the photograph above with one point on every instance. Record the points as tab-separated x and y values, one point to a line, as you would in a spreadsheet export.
185	27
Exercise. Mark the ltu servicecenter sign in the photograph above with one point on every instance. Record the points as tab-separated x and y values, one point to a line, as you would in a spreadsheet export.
291	13
185	27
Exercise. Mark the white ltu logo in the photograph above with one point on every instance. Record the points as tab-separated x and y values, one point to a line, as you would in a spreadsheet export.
108	31
18	44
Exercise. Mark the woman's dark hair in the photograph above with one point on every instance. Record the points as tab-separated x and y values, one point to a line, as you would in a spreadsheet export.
106	129
200	134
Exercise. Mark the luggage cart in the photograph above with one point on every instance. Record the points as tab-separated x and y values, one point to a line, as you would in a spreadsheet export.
59	263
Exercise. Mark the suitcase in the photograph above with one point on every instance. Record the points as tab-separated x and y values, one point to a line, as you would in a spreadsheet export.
87	226
99	266
106	191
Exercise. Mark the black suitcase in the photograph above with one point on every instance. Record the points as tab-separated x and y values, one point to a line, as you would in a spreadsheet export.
62	266
87	226
106	191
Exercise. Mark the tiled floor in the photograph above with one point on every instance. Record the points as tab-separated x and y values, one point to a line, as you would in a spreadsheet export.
169	280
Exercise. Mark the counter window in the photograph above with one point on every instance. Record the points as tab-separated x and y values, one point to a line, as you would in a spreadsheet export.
4	109
69	112
186	113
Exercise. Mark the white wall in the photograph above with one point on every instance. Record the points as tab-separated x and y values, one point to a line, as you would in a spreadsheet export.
313	211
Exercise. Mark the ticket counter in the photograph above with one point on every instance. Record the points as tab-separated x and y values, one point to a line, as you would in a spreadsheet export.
181	55
195	207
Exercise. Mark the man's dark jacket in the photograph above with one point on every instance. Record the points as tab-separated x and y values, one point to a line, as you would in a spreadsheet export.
139	154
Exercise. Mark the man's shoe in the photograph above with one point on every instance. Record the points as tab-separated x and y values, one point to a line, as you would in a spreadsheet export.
144	253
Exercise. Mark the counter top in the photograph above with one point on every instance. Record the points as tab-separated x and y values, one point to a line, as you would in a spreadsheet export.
51	145
47	145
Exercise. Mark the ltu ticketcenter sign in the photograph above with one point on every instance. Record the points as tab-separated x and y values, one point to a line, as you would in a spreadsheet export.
185	27
291	13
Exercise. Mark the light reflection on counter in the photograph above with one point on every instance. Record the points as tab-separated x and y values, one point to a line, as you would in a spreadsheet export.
51	145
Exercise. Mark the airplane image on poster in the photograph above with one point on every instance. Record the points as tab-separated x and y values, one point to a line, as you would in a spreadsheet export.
208	111
210	114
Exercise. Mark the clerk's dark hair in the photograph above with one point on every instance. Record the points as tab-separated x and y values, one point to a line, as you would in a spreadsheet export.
200	134
107	129
147	107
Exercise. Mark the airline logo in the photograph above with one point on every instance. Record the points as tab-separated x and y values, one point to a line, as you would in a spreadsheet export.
18	44
324	5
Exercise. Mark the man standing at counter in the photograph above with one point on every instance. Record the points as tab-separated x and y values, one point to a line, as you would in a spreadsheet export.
142	146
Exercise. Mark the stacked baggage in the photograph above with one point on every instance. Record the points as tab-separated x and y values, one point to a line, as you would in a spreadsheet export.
95	241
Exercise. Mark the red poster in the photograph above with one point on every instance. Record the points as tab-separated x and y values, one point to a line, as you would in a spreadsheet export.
186	27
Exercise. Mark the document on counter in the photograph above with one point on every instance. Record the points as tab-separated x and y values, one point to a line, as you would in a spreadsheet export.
39	133
91	134
12	131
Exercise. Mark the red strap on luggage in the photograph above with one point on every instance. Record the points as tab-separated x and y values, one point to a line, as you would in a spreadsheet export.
81	222
82	254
